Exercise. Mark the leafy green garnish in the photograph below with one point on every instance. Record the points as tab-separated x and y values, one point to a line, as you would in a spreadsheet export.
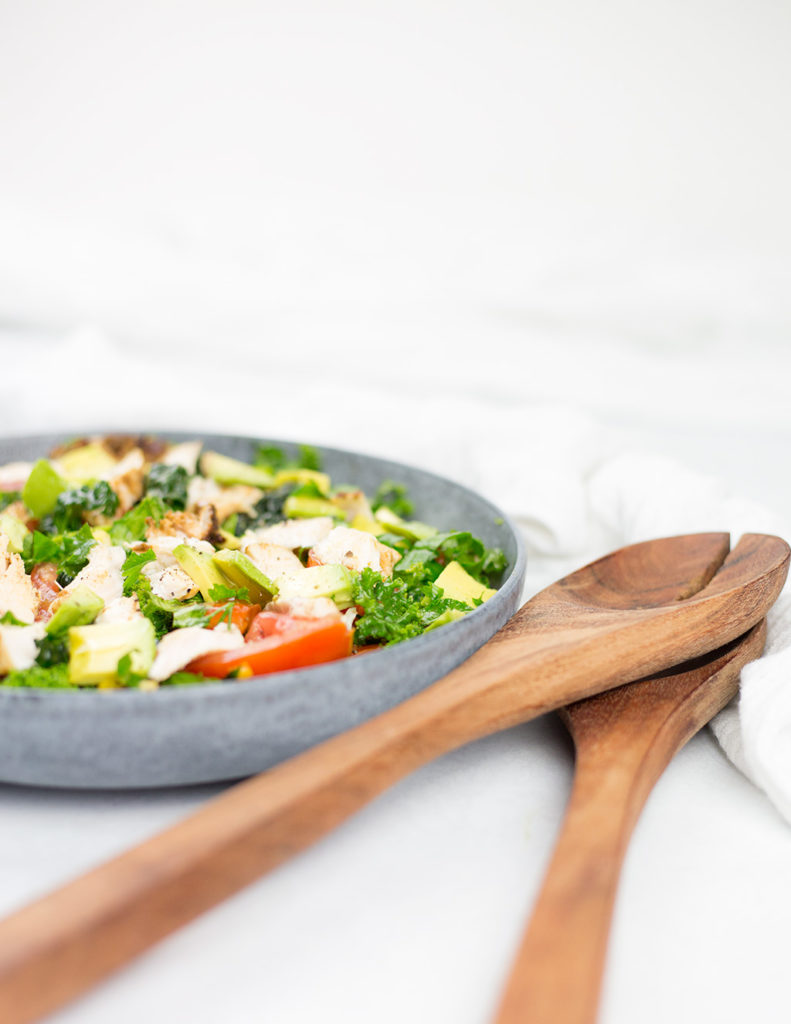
124	673
8	498
201	614
398	608
394	496
52	650
183	678
53	677
482	563
69	552
131	526
273	459
71	506
133	566
169	483
9	619
310	489
192	615
159	610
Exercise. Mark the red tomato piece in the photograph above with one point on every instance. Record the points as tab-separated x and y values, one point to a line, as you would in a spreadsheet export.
290	643
242	615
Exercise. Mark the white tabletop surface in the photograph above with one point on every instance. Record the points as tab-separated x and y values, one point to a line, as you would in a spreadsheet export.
251	217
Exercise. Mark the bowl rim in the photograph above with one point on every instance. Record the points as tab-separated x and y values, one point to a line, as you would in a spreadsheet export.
266	685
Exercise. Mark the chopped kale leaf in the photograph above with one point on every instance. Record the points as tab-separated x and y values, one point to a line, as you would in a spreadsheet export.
8	498
52	650
133	566
168	483
71	506
394	496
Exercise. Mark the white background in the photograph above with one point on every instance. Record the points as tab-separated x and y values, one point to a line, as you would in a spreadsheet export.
266	217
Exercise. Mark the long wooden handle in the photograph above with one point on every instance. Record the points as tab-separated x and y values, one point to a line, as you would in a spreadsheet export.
625	739
557	973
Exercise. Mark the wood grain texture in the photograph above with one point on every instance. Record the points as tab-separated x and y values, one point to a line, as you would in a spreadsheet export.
616	620
624	739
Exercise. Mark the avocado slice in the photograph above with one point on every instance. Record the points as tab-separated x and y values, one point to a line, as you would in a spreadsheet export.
200	567
14	530
412	529
94	651
79	608
242	572
457	584
367	525
302	506
90	462
303	476
335	581
43	486
226	471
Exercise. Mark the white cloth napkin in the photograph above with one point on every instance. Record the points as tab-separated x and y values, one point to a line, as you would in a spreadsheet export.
574	488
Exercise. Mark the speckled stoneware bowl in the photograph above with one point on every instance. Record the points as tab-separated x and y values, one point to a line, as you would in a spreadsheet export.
123	739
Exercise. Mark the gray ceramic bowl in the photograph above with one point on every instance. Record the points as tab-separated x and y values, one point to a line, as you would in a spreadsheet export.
122	739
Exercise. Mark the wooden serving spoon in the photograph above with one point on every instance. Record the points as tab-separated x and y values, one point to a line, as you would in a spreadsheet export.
615	620
624	739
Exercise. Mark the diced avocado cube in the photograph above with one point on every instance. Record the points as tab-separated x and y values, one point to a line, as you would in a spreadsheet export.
43	486
303	476
96	650
240	571
14	530
79	607
411	529
227	471
449	615
200	567
90	462
335	581
301	506
457	584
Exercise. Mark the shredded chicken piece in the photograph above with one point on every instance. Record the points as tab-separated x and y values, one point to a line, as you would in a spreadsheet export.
17	593
122	609
273	560
226	500
305	607
127	478
292	533
18	646
202	525
182	646
184	454
102	574
355	549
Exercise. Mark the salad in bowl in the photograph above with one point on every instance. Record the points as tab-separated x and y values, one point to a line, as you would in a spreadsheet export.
134	562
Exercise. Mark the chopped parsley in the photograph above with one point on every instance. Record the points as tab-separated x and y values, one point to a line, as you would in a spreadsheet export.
53	677
397	609
133	566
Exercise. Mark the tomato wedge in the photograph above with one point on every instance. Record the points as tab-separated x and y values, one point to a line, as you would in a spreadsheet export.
289	643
